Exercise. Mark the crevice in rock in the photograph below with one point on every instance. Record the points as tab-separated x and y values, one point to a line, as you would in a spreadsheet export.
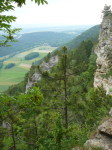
105	134
99	66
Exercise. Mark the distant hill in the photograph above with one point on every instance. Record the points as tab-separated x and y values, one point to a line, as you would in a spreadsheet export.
91	33
30	40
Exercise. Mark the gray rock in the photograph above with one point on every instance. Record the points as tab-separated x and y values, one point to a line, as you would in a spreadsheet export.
103	137
110	112
47	66
106	127
104	55
37	76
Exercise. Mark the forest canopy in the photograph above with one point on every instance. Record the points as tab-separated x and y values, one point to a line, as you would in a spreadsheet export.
9	65
31	55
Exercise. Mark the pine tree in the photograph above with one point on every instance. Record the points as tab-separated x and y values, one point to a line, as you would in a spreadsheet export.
58	85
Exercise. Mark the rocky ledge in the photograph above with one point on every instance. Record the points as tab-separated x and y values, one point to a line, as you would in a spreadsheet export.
104	136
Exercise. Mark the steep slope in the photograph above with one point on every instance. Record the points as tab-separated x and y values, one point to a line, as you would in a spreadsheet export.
91	33
104	55
88	34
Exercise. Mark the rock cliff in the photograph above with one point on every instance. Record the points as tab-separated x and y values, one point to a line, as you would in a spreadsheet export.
104	55
46	66
103	50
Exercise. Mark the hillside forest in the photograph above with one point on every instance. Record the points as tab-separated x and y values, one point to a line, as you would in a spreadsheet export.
35	39
57	113
63	109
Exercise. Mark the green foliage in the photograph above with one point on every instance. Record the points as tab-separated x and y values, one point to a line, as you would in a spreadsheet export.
9	65
40	2
16	89
61	115
107	10
47	58
100	102
11	110
31	55
109	73
92	33
21	2
6	20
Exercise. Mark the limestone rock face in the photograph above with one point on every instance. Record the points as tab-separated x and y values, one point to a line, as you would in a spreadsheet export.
104	137
104	55
46	66
36	77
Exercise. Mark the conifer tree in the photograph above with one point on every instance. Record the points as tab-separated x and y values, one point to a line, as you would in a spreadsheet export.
58	85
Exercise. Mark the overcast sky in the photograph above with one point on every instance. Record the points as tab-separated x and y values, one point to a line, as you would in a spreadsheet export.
68	12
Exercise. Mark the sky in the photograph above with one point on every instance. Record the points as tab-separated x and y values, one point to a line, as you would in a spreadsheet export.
61	12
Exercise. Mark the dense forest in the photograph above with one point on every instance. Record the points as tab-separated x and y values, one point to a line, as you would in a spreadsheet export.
31	55
8	66
30	40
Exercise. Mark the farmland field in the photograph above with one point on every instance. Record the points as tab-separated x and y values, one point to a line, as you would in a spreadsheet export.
16	74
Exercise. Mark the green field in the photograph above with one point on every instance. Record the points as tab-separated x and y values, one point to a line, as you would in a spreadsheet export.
16	74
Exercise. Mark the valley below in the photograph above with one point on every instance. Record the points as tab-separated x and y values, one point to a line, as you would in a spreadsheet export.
16	74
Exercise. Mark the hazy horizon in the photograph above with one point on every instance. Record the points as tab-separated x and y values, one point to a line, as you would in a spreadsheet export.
59	12
38	25
49	27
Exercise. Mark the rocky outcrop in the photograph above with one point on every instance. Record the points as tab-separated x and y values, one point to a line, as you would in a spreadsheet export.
103	50
104	136
104	55
37	76
47	66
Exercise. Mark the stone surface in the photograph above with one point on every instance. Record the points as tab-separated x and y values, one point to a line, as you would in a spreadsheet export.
46	66
104	55
53	61
110	112
104	136
106	127
100	141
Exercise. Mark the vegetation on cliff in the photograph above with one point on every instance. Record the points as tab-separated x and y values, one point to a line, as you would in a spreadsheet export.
58	112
